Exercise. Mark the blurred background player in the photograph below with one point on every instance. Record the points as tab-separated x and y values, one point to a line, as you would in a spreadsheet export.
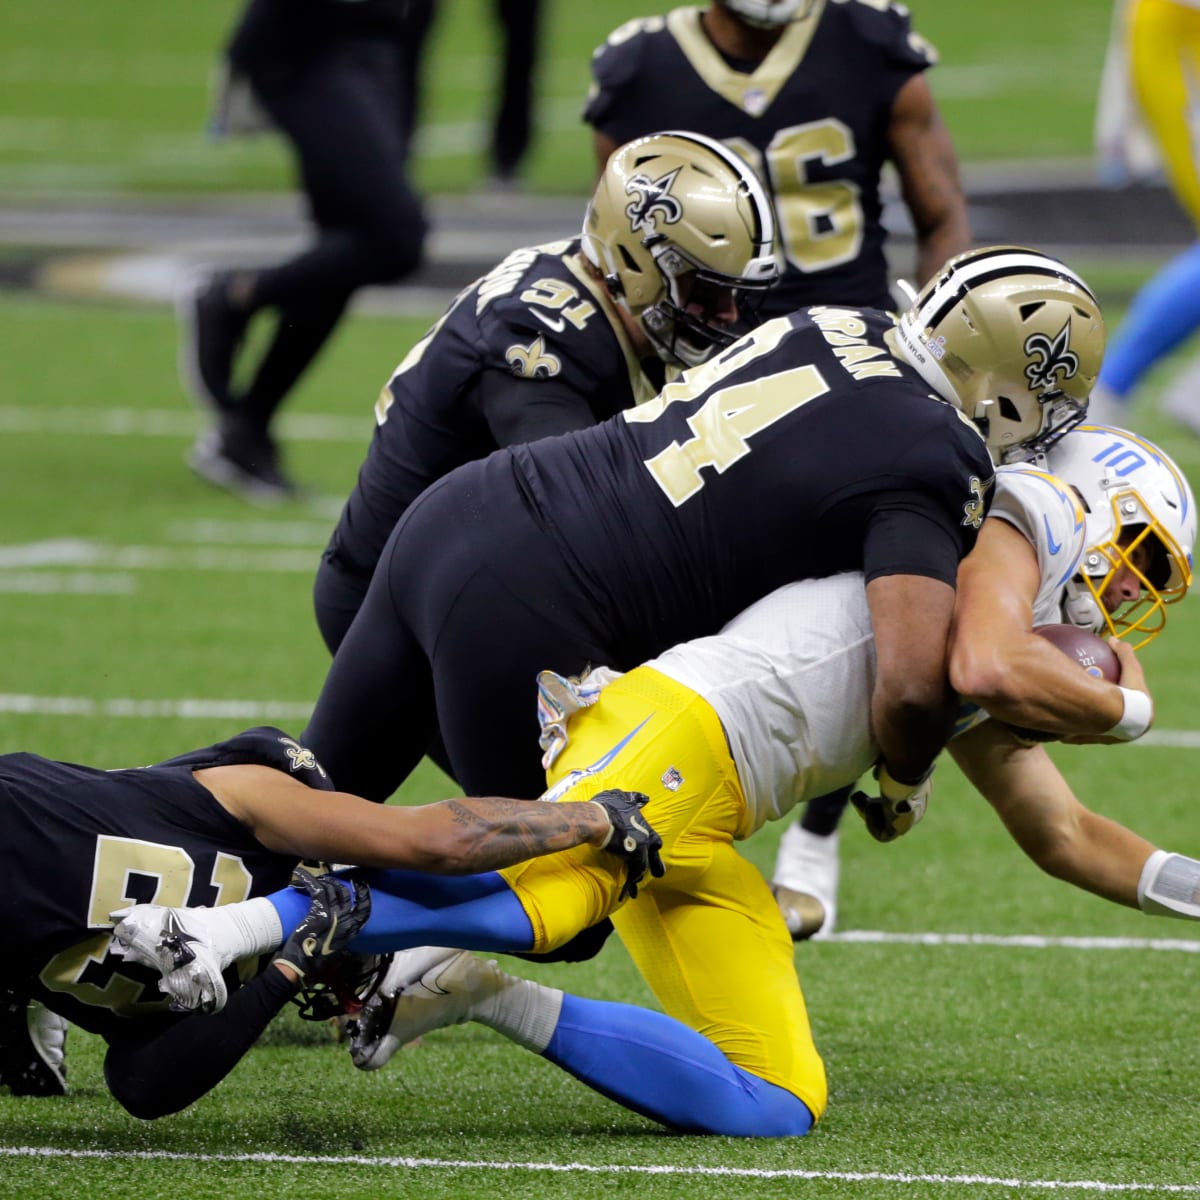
1149	86
328	76
512	125
559	336
817	96
1141	529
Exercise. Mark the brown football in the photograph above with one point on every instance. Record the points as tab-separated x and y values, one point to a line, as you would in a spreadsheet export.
1091	652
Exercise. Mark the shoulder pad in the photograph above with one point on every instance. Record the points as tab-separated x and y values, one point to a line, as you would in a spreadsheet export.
887	27
1048	513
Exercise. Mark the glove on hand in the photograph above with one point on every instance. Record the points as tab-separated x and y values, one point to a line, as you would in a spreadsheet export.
631	837
340	908
897	808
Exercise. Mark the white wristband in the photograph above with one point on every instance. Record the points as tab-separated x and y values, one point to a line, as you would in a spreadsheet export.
1136	718
1170	886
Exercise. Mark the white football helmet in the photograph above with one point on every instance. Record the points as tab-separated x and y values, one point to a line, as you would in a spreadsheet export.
1136	498
672	212
1011	337
769	14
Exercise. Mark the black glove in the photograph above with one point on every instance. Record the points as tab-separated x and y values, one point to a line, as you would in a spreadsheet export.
336	915
631	837
897	808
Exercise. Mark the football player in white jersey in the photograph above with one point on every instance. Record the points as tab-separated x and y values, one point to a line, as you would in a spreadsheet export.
1105	467
727	732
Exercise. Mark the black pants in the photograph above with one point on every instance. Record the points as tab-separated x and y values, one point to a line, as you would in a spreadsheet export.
469	601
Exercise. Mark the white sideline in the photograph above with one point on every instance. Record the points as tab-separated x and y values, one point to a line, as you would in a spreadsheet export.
360	1160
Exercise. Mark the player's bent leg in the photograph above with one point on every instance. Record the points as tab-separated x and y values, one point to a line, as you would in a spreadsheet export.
660	1068
719	959
652	1064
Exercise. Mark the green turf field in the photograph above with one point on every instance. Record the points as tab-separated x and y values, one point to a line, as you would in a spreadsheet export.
145	614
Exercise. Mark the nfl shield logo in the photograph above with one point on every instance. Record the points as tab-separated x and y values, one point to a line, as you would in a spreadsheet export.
672	780
754	101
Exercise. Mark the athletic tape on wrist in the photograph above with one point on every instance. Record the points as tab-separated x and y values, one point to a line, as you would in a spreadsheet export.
1136	718
1170	886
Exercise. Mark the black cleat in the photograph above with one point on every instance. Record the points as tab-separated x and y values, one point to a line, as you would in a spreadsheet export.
243	460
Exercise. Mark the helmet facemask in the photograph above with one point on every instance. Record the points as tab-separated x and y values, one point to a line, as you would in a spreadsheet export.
685	337
1141	524
762	14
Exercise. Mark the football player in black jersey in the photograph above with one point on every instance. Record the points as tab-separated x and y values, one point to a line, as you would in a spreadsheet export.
217	825
817	96
559	336
825	441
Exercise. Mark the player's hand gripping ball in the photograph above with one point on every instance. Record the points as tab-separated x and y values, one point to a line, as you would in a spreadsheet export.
1089	650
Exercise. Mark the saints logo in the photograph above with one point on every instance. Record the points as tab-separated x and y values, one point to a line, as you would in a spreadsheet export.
973	510
652	201
532	361
1053	360
302	758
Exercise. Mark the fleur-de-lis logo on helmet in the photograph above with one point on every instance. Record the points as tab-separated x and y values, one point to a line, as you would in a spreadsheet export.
652	201
1053	362
532	361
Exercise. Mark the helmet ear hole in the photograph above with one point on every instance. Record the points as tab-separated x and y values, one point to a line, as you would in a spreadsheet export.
1008	410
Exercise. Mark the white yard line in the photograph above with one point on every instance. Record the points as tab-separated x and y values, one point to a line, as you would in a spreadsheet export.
185	709
182	422
553	1168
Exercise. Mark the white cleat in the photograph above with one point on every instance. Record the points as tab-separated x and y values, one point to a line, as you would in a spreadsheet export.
806	882
443	994
175	943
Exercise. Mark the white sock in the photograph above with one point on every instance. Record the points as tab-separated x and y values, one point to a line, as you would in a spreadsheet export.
242	930
522	1010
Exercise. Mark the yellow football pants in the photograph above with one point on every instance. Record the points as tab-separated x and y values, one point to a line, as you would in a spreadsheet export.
707	938
1163	40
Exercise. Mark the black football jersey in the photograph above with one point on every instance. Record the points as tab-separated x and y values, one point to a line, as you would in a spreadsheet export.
790	455
537	316
812	119
77	842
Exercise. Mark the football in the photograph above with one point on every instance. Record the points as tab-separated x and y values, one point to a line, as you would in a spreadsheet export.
1091	652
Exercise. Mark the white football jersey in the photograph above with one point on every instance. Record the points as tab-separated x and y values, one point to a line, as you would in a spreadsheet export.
791	677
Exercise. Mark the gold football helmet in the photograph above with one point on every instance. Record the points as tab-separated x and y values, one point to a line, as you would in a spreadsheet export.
769	14
1014	339
1141	515
680	221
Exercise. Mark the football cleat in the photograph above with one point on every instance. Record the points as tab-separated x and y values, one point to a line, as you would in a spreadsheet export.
175	943
806	882
242	460
33	1046
444	993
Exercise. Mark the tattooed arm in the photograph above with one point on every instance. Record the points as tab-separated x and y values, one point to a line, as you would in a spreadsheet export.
453	837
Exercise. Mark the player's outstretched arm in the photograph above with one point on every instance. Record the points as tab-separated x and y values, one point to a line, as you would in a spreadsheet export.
1048	821
453	837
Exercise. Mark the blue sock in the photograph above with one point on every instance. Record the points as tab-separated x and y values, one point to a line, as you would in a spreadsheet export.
1163	313
660	1068
408	908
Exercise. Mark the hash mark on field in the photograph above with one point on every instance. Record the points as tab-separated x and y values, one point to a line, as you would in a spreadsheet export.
360	1160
